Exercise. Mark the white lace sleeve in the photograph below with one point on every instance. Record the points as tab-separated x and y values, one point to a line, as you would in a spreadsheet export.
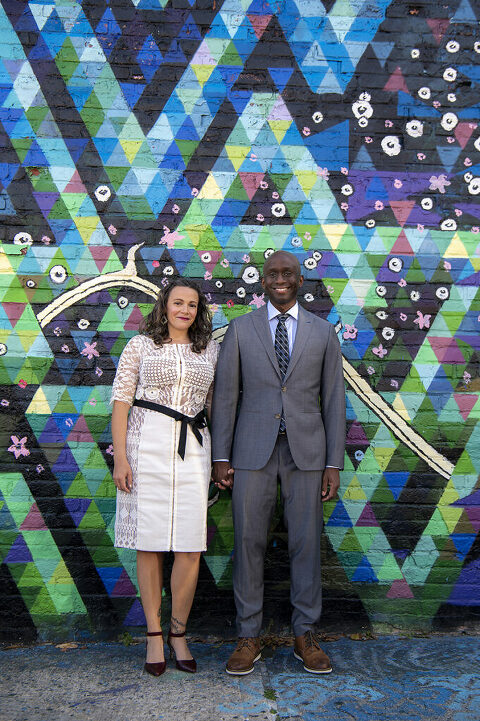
126	377
212	350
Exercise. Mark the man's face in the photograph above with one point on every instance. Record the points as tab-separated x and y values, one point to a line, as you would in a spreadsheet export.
282	279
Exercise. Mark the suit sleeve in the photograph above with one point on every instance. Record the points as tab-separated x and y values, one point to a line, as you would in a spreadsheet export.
333	401
225	395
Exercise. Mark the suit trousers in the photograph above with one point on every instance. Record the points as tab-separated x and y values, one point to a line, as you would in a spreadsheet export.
253	504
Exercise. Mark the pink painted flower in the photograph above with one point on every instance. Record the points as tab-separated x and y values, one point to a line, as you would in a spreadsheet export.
397	183
370	370
402	283
447	265
155	263
98	372
467	162
420	226
275	195
92	402
46	239
368	139
164	282
263	184
323	173
253	157
379	205
330	289
207	275
257	300
112	230
439	182
344	171
68	422
90	350
421	156
380	351
213	307
195	192
230	303
57	331
307	235
65	348
403	317
450	139
22	383
475	229
224	263
246	258
423	321
260	218
109	449
18	446
344	206
306	131
168	238
436	103
466	377
4	403
39	468
175	209
458	212
394	383
350	332
388	124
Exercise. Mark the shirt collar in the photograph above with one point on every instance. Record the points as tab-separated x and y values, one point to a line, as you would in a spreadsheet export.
273	312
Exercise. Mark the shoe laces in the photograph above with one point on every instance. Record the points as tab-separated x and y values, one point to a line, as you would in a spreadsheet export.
311	640
244	643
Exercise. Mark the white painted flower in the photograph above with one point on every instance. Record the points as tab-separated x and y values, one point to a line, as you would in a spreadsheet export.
23	239
424	93
278	210
168	270
449	121
30	283
476	47
3	349
310	263
206	258
122	302
415	53
250	275
316	255
267	253
452	46
442	293
308	297
452	98
346	189
241	292
474	186
450	74
317	117
296	242
414	128
83	324
103	193
391	145
58	274
448	224
370	223
381	290
395	264
218	284
426	203
388	333
414	296
381	315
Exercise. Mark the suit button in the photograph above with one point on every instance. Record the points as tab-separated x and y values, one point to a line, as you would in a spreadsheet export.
277	415
284	388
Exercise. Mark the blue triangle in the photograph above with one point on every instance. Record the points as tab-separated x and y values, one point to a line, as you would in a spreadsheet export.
76	146
382	51
19	552
411	107
132	92
280	76
339	516
330	148
364	572
396	481
149	58
376	189
77	507
463	542
448	155
190	30
110	576
471	71
187	131
464	14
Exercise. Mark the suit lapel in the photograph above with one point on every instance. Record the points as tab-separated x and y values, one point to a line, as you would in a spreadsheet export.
304	326
260	322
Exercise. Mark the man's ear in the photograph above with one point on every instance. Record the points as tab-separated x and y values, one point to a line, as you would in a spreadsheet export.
300	281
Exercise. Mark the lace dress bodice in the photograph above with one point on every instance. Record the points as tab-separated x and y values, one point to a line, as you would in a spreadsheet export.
172	375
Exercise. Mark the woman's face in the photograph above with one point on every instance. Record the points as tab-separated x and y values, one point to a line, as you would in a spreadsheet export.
182	306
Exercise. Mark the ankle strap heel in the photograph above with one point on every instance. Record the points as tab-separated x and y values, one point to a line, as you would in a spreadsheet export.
187	665
156	668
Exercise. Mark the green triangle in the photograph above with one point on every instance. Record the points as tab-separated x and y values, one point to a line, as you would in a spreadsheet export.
413	382
43	182
116	175
35	116
350	542
59	211
92	114
237	191
22	146
144	157
281	181
187	148
65	404
43	604
15	293
415	273
464	465
382	493
78	488
389	570
231	56
30	576
349	243
67	60
106	489
92	518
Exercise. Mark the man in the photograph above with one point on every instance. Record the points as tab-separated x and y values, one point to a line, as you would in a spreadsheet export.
278	415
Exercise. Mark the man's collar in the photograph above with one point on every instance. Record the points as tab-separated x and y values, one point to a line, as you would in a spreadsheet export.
273	312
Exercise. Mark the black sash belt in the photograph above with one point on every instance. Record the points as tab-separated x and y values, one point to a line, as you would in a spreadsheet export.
195	423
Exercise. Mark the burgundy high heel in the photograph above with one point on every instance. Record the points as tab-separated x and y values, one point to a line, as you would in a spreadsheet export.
157	668
188	665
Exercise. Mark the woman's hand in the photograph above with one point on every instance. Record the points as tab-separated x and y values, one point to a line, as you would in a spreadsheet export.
122	475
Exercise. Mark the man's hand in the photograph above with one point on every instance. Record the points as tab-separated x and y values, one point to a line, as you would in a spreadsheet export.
223	474
330	483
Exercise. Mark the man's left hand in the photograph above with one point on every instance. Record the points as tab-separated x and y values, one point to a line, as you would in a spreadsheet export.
330	483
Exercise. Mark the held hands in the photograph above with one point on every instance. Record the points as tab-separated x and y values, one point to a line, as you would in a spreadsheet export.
222	474
330	483
122	475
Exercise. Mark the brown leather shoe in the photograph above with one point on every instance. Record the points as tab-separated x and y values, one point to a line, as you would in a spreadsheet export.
307	649
242	659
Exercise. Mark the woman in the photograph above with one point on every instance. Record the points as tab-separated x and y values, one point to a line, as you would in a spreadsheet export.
163	382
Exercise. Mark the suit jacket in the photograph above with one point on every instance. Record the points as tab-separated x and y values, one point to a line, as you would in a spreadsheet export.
249	394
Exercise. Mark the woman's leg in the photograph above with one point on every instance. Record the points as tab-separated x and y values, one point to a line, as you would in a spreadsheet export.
150	581
183	583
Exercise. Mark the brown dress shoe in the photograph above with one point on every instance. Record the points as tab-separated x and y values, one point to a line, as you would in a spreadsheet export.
242	659
307	649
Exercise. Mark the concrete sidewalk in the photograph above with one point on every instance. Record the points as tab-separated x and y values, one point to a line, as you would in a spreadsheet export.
385	679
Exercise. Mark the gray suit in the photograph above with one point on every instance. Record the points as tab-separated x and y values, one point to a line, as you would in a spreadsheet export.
247	405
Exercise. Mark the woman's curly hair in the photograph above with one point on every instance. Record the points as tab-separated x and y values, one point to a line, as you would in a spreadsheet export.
155	324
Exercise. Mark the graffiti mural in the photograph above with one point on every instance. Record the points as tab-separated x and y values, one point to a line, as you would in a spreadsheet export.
144	139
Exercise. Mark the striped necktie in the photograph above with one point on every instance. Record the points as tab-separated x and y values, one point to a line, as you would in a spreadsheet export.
283	353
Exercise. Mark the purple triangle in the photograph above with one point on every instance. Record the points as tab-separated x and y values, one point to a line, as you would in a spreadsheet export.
77	507
135	617
367	517
124	586
19	551
472	500
356	435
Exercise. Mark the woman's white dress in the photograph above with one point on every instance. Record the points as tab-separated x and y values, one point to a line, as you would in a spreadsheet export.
167	507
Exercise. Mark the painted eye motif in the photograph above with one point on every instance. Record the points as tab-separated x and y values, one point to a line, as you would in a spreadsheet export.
442	293
476	47
363	122
388	333
468	176
3	348
218	284
370	223
241	292
415	53
346	189
122	302
310	263
103	193
58	274
391	145
450	74
317	117
250	275
424	93
267	253
206	258
308	297
474	186
452	98
278	210
426	203
414	128
83	324
381	291
381	315
449	121
395	265
316	255
452	46
448	224
296	242
477	144
23	239
414	296
168	270
30	283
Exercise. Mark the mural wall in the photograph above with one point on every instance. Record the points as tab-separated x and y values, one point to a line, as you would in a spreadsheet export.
143	139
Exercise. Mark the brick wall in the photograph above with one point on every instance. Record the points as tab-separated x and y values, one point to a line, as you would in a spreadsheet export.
146	139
